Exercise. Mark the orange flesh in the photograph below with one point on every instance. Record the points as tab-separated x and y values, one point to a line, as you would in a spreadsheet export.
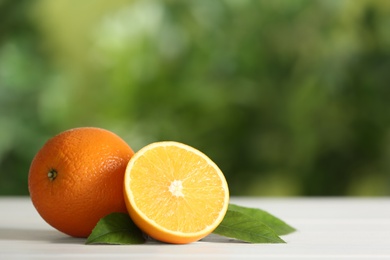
176	191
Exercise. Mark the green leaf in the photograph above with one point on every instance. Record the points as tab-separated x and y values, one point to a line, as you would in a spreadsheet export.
116	229
280	227
246	228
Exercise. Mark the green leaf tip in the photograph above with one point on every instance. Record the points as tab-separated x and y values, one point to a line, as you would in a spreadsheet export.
116	229
252	225
245	228
280	227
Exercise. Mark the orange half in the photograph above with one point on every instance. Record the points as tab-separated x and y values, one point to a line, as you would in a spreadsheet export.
175	193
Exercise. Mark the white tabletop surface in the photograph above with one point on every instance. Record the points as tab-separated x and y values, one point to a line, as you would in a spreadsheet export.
328	228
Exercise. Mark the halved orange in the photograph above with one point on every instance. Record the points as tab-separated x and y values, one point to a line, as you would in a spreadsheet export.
174	192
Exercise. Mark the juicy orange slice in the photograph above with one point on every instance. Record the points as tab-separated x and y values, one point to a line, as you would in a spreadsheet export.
175	193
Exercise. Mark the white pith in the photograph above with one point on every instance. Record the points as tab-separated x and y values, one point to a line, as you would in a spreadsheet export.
176	188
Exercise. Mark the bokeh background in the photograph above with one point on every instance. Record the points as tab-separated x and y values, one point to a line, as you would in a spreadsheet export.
289	98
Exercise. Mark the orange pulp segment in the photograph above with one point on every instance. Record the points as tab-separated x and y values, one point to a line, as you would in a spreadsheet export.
175	193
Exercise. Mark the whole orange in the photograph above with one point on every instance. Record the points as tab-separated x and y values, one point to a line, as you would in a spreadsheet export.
76	178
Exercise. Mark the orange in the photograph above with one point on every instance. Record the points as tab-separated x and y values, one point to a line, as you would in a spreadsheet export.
76	178
175	193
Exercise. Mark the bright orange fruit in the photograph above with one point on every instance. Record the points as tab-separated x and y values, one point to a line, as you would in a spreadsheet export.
175	193
76	178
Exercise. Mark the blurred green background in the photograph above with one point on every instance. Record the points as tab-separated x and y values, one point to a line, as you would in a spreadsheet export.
289	98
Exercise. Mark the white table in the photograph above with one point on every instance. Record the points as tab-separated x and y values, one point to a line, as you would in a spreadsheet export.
328	228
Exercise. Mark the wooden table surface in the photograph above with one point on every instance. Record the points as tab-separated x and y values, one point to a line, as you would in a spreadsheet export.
328	228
